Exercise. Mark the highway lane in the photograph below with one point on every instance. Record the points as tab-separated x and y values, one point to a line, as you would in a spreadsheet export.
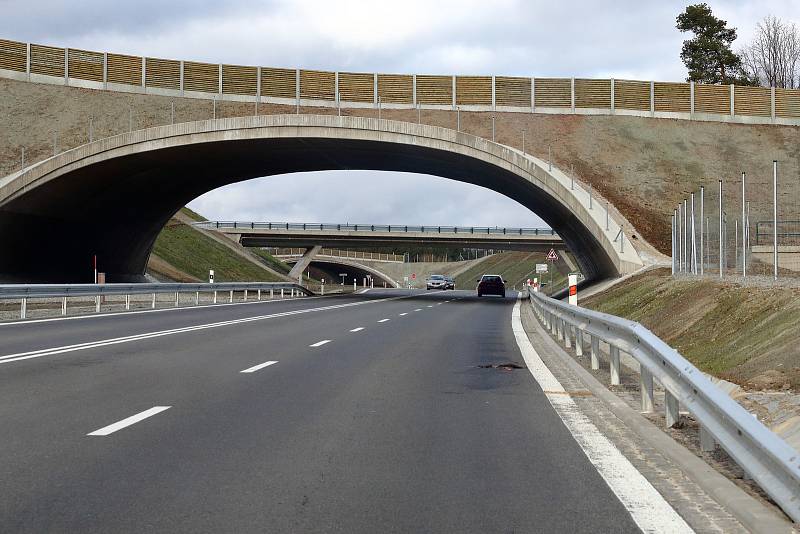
390	426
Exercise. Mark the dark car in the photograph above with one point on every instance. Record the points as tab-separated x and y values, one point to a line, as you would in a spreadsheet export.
491	284
450	283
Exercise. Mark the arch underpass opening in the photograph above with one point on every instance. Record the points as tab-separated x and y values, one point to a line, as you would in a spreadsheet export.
112	197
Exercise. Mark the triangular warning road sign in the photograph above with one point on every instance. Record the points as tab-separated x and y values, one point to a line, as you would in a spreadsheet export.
552	256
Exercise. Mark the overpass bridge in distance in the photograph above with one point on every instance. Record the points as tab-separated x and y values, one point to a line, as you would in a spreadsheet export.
274	234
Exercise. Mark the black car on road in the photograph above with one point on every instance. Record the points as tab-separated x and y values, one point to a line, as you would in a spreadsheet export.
491	284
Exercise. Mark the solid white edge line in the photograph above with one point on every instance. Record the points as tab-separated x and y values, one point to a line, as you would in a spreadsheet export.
157	310
320	343
128	421
359	329
258	367
138	337
648	508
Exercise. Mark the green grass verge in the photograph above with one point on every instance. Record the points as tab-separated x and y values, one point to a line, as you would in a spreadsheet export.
194	253
271	261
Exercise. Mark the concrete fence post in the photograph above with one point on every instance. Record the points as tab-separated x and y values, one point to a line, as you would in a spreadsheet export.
595	353
646	386
671	409
613	356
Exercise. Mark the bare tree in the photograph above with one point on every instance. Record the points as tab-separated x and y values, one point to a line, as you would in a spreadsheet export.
773	57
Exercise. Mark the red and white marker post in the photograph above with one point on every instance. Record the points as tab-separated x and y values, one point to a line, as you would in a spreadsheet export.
573	289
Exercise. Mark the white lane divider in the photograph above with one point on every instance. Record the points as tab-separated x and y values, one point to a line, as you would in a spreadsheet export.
359	329
383	320
404	313
649	510
138	337
418	309
258	367
430	305
320	343
128	421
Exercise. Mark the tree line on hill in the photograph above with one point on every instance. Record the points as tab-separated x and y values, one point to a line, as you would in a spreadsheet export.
771	59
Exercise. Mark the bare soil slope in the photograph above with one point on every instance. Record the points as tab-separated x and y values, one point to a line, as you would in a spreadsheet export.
748	335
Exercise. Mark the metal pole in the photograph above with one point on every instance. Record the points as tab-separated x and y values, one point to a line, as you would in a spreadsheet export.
708	243
680	238
379	108
735	243
694	242
215	108
493	117
339	103
720	229
744	223
686	245
775	218
702	218
458	118
673	243
747	229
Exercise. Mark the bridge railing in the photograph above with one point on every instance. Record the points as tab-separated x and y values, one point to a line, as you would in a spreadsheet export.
219	292
392	228
764	456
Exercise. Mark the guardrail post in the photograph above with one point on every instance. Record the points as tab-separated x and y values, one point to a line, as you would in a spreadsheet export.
281	292
707	441
64	306
97	304
567	334
245	295
215	296
578	341
127	302
176	299
613	356
646	385
230	297
595	353
271	294
153	304
23	308
259	294
196	298
671	409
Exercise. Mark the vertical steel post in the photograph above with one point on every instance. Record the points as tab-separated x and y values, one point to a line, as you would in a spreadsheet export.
747	229
613	356
775	218
595	353
686	245
493	117
720	228
673	243
680	239
702	218
744	232
646	387
671	409
694	242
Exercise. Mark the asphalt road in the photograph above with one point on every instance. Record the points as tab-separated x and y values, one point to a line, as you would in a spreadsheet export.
392	428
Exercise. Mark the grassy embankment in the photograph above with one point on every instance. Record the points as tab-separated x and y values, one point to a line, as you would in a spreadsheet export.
515	268
748	335
194	253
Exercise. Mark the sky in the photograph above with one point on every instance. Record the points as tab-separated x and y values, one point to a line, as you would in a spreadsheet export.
583	38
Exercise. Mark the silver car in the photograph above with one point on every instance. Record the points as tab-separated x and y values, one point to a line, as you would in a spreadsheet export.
436	281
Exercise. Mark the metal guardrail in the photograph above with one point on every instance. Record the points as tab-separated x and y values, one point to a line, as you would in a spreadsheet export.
788	232
24	292
400	228
766	458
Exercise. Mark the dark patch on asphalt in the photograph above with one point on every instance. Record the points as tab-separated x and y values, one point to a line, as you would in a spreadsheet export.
508	366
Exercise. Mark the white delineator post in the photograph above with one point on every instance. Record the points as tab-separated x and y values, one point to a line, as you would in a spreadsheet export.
573	289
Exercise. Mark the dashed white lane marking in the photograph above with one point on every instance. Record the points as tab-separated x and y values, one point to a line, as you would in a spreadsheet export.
647	507
404	313
418	309
359	329
383	320
128	421
430	305
320	343
258	367
127	339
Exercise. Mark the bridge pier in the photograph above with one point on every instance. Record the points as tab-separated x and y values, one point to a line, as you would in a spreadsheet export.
303	263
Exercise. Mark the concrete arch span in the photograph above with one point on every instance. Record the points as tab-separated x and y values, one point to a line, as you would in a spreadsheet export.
354	269
112	197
